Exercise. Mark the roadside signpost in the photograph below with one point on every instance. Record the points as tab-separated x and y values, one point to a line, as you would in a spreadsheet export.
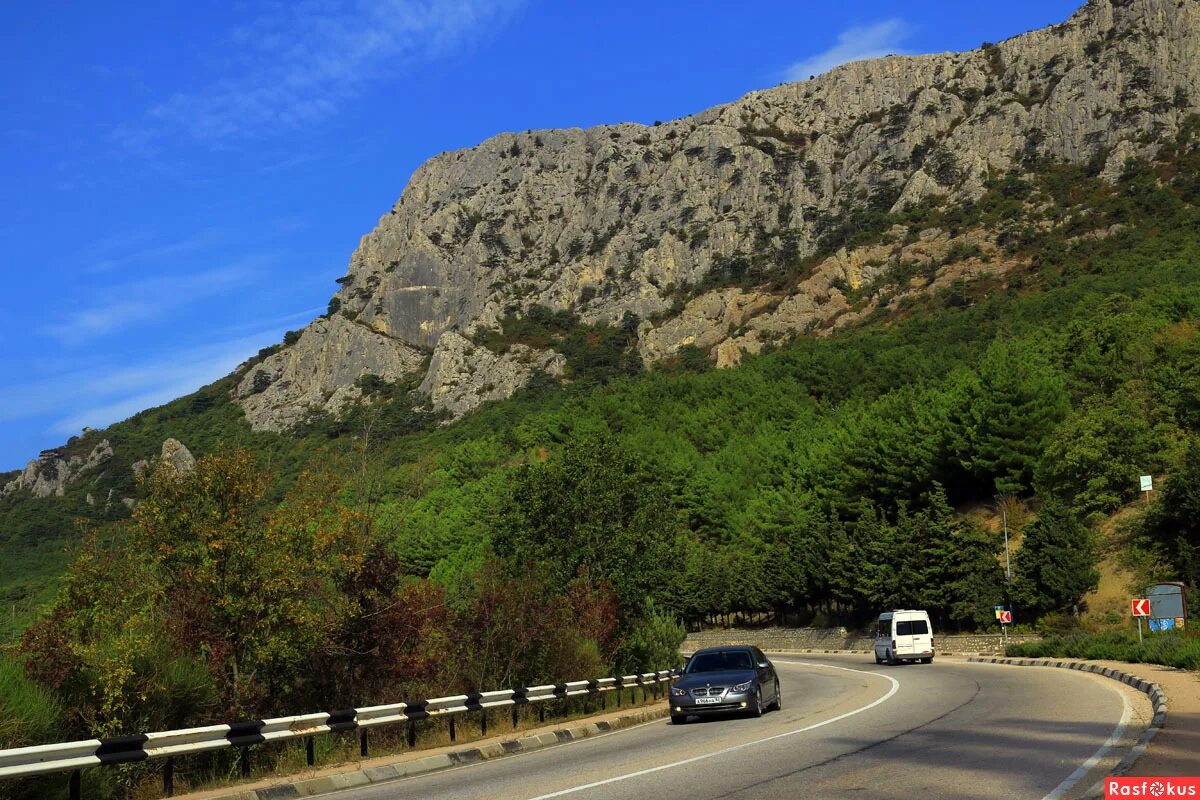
1004	617
1147	486
1168	606
1140	607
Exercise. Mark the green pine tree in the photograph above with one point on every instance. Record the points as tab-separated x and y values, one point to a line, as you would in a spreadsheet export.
1056	565
1013	403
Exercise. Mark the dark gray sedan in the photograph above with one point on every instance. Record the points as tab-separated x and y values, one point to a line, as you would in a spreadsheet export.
720	680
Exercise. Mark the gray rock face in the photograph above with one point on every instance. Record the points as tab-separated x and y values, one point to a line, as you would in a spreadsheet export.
176	457
463	375
611	219
319	371
51	474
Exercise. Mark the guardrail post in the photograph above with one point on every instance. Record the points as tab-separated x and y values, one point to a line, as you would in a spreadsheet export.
169	778
362	742
453	737
410	732
483	722
309	756
73	786
515	713
245	759
542	711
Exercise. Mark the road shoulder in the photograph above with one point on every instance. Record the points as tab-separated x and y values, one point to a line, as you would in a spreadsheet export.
1176	748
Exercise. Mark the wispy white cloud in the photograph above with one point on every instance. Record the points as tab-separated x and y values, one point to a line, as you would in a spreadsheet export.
297	64
118	306
120	394
98	394
120	250
854	44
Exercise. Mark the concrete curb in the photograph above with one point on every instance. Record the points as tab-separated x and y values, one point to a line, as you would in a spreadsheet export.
311	787
860	652
814	651
1158	700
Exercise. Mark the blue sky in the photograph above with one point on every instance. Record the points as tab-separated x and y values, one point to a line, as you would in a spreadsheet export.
184	181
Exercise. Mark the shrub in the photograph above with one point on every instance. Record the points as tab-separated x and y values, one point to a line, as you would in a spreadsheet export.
28	713
652	644
1168	649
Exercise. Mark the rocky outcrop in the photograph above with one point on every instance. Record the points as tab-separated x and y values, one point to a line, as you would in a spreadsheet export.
462	375
176	457
625	218
319	372
704	322
729	323
52	473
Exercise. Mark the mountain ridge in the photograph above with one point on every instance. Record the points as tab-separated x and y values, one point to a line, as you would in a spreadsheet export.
626	219
728	249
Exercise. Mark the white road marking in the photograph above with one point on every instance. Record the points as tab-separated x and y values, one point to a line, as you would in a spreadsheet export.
1086	767
895	688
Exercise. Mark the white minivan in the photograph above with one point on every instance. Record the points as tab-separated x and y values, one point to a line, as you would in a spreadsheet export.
904	635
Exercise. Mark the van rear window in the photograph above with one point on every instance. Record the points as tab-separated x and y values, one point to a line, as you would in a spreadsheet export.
916	627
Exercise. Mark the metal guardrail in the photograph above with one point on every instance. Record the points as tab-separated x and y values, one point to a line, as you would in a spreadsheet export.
23	762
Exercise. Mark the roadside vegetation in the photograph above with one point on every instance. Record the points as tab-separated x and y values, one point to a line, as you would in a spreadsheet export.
1169	649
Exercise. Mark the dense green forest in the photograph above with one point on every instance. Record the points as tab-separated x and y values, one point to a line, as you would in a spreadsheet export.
570	530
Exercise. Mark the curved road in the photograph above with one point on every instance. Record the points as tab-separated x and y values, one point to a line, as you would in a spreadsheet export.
848	728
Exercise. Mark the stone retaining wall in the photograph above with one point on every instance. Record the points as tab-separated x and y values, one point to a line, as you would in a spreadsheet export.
842	639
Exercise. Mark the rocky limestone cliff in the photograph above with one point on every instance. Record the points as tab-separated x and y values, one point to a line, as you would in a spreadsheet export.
320	371
462	375
623	218
51	474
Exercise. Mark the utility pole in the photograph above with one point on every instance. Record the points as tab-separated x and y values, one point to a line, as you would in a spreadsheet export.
1007	564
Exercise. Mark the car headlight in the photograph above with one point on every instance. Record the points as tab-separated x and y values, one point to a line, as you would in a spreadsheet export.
743	687
677	692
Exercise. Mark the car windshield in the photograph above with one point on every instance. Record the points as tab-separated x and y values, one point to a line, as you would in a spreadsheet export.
720	661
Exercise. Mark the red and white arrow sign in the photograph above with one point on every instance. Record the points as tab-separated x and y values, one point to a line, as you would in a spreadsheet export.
1141	607
1006	618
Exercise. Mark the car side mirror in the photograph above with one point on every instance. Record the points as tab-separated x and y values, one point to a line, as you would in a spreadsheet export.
764	664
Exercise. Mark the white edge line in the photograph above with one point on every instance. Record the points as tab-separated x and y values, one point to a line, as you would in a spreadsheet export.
895	688
506	757
1086	767
522	753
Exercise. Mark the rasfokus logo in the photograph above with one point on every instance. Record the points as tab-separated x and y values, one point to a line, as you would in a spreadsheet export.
1151	787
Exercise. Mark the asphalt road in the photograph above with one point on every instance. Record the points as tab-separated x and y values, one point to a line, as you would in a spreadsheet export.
848	728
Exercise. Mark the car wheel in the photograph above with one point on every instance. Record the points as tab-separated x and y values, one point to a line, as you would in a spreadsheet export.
778	698
758	703
678	719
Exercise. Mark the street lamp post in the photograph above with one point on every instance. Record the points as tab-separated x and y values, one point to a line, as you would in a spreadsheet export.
1007	564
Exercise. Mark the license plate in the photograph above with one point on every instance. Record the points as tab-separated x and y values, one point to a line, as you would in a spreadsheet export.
703	701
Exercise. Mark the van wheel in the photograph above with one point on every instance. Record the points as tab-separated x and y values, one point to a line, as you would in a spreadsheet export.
878	660
891	659
927	660
678	719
